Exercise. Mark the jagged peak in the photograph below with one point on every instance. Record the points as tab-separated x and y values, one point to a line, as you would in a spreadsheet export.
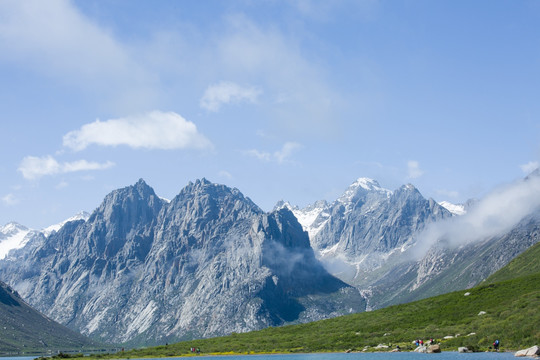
362	185
408	187
13	226
282	204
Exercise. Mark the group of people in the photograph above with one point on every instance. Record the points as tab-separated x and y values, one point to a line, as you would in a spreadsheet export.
420	342
195	350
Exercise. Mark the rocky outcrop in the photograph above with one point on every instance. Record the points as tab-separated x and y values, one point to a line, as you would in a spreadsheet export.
532	351
209	262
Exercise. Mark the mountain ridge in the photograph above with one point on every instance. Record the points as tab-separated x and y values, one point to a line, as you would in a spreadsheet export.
141	270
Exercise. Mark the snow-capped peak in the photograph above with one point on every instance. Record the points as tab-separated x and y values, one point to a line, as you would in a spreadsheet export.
362	184
458	209
83	215
11	228
12	236
312	217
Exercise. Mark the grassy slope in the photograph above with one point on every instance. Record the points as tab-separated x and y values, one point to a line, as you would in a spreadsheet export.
511	315
525	264
23	329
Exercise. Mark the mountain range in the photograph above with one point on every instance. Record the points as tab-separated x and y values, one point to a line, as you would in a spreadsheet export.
142	270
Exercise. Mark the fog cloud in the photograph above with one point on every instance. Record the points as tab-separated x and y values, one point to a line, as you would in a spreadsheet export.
496	214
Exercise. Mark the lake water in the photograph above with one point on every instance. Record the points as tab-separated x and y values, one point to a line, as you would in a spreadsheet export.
448	355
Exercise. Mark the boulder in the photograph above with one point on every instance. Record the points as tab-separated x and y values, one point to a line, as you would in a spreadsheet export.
463	349
434	349
532	351
421	349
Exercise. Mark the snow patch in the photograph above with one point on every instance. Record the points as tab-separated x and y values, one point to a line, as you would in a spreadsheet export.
12	236
83	215
456	209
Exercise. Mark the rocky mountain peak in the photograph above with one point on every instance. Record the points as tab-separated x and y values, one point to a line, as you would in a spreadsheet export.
11	228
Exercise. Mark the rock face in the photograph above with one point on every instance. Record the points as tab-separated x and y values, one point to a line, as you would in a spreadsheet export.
144	271
364	226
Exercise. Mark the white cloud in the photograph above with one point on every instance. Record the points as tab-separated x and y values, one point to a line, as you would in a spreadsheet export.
153	130
413	168
530	167
33	167
226	92
495	214
10	200
279	156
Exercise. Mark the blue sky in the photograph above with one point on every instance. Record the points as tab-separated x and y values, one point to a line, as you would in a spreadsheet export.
285	100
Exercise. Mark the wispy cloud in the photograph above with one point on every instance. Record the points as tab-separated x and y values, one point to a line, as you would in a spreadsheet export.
154	130
529	167
226	92
225	174
34	34
32	167
498	212
305	102
10	200
413	169
280	156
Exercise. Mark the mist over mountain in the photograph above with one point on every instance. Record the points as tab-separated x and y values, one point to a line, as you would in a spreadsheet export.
209	262
366	224
397	246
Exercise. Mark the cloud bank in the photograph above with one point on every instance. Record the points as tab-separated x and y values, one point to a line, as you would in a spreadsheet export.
153	130
496	214
33	167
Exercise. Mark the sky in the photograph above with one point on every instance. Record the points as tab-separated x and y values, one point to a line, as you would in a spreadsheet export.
289	100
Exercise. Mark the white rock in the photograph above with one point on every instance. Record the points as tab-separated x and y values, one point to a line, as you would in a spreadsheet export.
482	313
532	351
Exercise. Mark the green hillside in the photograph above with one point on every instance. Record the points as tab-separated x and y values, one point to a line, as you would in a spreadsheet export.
526	263
23	330
511	315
